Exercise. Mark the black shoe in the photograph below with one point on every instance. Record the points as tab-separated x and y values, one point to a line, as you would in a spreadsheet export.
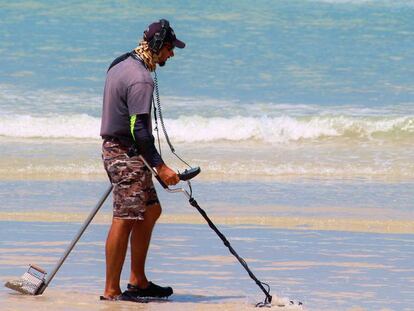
152	290
125	296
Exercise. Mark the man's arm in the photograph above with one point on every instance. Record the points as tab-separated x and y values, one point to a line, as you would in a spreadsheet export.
144	141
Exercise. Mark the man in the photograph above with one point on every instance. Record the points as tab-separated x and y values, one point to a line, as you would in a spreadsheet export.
126	122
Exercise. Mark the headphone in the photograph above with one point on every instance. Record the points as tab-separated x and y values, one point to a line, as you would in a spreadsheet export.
157	41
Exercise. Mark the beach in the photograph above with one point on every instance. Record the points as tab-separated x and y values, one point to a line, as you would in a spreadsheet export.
324	261
299	113
325	270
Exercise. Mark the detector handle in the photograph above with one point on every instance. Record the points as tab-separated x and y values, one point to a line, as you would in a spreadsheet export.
186	175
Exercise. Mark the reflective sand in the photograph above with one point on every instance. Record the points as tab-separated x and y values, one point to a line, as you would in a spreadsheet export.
326	270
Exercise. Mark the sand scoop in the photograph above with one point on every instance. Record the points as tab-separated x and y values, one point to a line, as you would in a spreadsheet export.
35	281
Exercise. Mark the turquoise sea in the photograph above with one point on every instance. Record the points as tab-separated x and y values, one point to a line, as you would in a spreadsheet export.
300	113
301	88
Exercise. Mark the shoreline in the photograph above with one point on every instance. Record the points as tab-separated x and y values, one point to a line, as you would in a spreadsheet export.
289	223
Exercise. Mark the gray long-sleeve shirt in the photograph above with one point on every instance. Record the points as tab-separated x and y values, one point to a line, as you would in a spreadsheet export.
128	93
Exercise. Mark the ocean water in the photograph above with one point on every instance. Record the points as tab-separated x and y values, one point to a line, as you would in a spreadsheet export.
299	113
302	89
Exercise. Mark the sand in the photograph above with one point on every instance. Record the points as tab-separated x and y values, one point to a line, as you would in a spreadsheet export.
326	270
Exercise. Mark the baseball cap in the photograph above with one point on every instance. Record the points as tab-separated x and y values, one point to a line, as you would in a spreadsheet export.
170	37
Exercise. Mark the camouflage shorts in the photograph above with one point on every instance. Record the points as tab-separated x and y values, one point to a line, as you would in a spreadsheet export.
133	190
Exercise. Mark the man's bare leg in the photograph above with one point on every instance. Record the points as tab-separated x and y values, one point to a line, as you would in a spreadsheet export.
140	240
115	251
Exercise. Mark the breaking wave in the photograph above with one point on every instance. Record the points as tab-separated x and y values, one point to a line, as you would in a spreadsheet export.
282	129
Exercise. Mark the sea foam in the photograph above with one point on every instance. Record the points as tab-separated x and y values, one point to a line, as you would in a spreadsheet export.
281	129
60	114
53	126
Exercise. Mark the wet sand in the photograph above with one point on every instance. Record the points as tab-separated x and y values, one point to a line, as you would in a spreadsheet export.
326	270
352	225
333	245
58	300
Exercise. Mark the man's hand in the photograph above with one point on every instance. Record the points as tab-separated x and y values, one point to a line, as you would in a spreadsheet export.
167	175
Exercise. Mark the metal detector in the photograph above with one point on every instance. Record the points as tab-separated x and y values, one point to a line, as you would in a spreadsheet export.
186	176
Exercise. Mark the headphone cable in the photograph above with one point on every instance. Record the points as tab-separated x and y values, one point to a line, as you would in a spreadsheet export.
167	138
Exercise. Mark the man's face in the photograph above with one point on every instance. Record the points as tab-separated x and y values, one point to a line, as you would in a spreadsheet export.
165	53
